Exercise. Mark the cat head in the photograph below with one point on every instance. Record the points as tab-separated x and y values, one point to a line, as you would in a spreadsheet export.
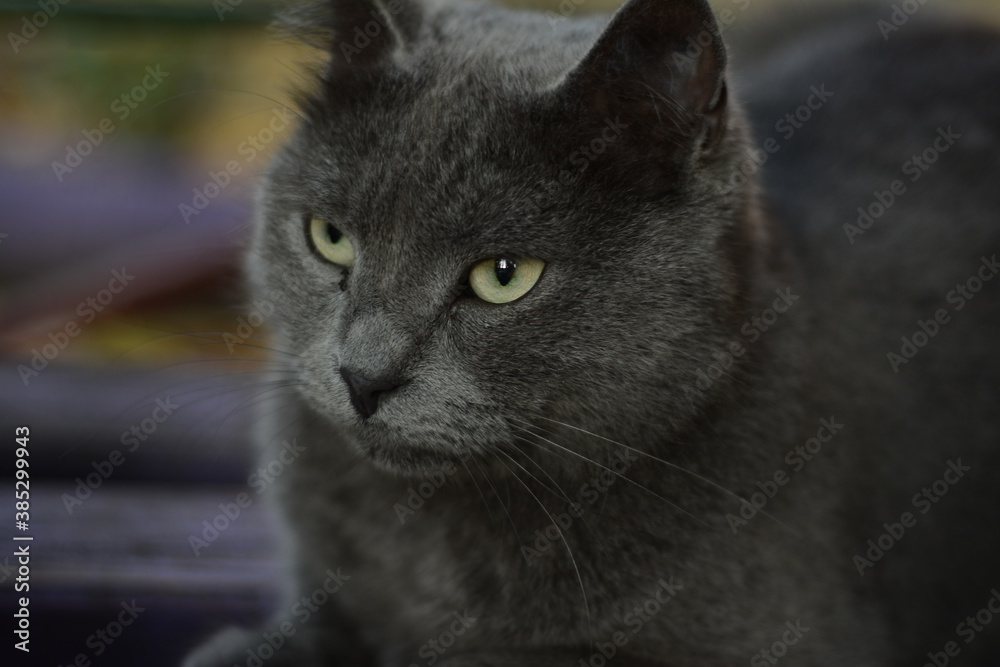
488	220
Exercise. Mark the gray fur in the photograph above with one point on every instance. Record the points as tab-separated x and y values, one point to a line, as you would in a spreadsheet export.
443	144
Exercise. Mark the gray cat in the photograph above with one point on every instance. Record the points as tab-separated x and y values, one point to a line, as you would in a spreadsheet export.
589	372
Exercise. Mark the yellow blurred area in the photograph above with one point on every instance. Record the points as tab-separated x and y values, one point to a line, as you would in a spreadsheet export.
220	88
156	338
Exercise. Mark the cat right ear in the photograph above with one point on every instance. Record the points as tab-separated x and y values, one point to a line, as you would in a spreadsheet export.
358	33
659	66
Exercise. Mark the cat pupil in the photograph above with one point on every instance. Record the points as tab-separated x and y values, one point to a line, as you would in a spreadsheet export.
505	270
333	233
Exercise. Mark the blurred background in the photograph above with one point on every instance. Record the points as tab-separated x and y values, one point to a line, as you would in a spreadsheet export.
133	136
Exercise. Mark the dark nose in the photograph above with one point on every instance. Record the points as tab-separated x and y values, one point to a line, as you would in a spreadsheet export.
365	392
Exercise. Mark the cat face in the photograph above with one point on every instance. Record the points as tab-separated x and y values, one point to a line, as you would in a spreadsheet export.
472	233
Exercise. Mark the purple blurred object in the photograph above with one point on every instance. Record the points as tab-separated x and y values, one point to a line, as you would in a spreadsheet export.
119	208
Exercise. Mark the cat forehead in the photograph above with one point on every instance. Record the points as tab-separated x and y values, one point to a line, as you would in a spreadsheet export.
445	200
426	164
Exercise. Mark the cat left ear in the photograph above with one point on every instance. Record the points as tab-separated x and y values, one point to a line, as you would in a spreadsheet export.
660	67
359	33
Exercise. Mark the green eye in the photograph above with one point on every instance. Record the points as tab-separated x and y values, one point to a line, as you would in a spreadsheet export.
505	279
330	242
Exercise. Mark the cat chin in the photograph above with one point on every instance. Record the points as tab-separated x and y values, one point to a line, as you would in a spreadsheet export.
410	460
407	456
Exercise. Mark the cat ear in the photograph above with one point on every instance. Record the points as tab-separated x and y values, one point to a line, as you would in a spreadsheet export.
358	33
658	68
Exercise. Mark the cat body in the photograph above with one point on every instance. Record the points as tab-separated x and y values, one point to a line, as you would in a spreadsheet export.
674	448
